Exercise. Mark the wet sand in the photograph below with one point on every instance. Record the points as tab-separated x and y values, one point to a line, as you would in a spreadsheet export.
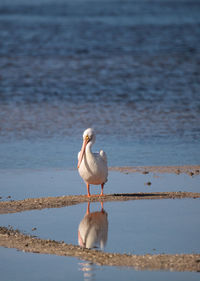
187	169
62	201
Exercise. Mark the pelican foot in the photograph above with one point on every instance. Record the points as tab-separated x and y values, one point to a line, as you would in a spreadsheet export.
97	195
94	195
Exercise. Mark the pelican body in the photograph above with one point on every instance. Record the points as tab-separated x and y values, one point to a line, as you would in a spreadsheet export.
92	167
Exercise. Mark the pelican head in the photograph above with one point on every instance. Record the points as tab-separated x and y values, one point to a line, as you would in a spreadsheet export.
88	137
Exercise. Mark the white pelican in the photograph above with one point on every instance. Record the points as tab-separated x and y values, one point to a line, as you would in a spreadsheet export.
93	229
92	167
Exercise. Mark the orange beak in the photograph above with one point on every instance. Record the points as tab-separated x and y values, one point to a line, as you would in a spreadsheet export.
85	142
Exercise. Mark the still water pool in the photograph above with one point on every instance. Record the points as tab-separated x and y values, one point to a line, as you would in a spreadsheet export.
136	227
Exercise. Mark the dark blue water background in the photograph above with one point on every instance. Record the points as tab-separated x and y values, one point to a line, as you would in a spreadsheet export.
130	69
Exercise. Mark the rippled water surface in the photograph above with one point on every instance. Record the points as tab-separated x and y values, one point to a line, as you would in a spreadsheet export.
130	69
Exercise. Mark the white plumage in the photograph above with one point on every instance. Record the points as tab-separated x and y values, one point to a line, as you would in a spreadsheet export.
92	167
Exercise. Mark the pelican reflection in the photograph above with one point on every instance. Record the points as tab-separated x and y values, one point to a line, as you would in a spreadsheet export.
93	229
88	269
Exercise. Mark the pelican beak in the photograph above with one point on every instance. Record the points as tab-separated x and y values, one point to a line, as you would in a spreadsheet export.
85	142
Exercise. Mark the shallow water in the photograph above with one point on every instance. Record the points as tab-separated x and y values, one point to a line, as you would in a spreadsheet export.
136	227
26	183
138	86
121	151
51	267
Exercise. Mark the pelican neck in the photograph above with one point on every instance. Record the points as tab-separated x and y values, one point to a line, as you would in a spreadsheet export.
89	146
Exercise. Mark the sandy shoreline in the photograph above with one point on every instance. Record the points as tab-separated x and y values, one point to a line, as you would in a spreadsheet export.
186	169
63	201
184	262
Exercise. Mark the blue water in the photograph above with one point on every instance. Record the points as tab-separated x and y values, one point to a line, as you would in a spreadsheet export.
24	183
135	227
174	229
62	152
130	69
51	267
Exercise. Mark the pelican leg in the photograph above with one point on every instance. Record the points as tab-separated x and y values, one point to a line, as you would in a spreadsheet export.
88	190
102	185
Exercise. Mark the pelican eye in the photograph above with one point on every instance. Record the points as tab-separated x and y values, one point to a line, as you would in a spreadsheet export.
87	138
